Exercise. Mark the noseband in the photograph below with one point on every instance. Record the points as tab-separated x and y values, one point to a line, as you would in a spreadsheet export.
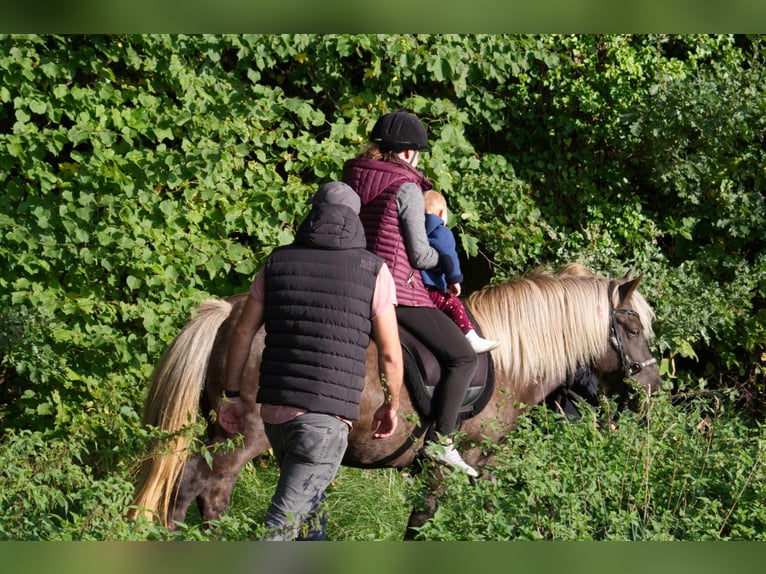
630	368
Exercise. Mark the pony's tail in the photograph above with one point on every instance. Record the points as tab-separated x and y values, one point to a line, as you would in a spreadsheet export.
172	405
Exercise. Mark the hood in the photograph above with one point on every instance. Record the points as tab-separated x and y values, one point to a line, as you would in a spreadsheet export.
331	226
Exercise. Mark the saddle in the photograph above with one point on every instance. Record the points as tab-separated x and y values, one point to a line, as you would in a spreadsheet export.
422	373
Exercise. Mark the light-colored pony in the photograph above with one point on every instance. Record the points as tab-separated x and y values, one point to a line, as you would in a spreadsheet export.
548	324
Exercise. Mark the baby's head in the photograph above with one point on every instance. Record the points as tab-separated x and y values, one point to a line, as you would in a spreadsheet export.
436	204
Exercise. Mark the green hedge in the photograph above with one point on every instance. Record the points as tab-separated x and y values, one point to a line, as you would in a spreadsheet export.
141	174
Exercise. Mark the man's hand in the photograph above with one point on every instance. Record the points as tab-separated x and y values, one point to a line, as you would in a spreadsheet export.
231	415
384	421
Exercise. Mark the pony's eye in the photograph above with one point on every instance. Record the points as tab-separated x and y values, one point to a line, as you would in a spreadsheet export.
633	332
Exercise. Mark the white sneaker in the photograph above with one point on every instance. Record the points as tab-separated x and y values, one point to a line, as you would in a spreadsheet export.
480	345
448	455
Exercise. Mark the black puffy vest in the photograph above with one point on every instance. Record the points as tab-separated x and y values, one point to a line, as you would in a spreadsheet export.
318	315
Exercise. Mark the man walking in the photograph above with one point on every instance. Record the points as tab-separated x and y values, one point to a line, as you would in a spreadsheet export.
320	299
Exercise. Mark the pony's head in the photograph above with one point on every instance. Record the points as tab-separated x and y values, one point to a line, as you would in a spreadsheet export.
630	331
551	324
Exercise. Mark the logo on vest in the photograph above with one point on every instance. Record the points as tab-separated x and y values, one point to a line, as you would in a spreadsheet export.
367	265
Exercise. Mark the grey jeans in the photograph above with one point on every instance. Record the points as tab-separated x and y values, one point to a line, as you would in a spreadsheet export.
309	449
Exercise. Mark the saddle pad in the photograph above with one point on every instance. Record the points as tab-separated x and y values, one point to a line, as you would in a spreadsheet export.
422	373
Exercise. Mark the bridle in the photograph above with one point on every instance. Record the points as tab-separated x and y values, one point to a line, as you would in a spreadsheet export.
630	368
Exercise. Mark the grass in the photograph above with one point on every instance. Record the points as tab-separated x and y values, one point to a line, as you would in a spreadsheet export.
693	471
362	504
689	472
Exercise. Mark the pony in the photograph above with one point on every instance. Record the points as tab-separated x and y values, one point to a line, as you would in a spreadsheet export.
549	325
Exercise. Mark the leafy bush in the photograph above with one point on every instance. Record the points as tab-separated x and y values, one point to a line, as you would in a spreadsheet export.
49	492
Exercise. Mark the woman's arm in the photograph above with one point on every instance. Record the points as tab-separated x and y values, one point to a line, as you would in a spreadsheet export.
412	222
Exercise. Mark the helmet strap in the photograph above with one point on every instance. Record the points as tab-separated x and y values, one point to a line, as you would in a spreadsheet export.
411	156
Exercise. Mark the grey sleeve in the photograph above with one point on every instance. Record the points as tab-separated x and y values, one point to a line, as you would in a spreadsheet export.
412	221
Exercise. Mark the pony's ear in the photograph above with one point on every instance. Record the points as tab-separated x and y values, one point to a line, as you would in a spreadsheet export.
626	289
628	275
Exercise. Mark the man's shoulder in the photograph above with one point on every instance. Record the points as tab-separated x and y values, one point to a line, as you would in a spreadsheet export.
371	261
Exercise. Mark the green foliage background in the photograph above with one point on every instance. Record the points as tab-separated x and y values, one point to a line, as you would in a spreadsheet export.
142	174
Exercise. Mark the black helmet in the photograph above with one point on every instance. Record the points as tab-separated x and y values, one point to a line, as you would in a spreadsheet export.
398	131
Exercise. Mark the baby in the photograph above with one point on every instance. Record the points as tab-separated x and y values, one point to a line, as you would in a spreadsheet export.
443	282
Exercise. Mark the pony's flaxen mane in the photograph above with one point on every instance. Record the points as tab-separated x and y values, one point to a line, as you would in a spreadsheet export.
639	304
548	324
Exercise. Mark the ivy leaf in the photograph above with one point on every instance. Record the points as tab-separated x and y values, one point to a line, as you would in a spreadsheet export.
76	135
470	244
38	106
14	148
163	133
22	116
451	136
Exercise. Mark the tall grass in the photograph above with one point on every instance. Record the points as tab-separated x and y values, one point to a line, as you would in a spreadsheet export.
690	472
361	504
694	471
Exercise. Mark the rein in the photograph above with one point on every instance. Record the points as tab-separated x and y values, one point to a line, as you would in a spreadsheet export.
630	368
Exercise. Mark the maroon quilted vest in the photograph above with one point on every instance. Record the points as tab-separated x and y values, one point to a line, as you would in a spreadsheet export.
377	183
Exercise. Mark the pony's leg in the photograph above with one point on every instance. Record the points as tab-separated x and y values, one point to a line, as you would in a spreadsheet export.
214	498
195	476
419	516
433	490
212	486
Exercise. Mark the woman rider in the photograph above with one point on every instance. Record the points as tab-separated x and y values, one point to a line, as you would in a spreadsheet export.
391	188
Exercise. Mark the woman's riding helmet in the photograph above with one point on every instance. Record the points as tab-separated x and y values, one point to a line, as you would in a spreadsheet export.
398	131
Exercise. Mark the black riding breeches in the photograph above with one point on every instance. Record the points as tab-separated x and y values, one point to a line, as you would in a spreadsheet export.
454	353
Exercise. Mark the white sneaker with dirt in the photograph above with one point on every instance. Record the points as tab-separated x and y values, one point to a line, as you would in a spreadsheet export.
480	345
448	455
